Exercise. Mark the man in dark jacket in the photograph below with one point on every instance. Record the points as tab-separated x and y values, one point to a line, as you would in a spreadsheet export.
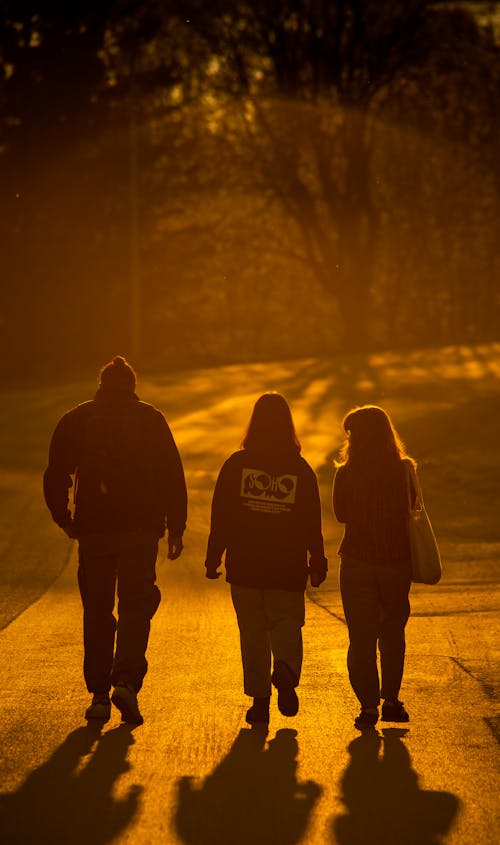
120	459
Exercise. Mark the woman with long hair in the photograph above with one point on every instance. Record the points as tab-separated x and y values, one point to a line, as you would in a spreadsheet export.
266	517
370	496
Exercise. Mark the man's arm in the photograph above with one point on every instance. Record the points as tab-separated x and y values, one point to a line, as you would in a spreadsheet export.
173	490
57	479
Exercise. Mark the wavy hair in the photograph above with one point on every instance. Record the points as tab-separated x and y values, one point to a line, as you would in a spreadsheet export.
271	426
371	440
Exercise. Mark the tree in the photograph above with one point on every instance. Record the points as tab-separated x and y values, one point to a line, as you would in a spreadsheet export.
306	89
280	147
53	98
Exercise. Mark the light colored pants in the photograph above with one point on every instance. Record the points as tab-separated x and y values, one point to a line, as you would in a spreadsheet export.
270	622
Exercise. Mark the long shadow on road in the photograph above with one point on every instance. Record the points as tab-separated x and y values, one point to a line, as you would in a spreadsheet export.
384	802
69	799
251	797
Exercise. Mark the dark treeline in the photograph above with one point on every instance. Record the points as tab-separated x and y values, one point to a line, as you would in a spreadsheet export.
192	182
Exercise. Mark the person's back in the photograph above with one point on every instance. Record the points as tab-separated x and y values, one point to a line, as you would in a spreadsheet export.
126	467
266	518
370	496
267	504
372	502
128	486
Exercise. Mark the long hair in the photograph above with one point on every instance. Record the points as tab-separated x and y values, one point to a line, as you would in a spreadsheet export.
271	426
372	441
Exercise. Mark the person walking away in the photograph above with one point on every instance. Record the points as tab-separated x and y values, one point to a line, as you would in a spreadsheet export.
370	496
266	518
119	456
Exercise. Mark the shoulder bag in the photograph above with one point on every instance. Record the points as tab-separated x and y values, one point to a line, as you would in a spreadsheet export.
425	557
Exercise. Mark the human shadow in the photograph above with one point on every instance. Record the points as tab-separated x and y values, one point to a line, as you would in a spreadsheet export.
69	799
383	800
252	796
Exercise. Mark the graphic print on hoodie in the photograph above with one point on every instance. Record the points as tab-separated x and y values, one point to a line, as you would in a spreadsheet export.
261	491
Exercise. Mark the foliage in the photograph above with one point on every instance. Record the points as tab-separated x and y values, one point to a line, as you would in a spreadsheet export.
288	176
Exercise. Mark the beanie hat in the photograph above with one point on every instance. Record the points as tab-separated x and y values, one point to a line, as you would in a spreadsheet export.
117	375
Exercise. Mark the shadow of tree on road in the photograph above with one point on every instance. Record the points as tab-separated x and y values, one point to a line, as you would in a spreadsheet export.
383	800
69	798
251	797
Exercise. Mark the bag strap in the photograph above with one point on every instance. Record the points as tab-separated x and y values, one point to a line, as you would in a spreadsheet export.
412	483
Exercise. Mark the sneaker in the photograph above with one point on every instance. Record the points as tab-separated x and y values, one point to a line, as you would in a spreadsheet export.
100	707
285	681
394	711
367	718
125	699
258	713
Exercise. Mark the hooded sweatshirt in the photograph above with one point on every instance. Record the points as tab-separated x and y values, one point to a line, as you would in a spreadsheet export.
266	517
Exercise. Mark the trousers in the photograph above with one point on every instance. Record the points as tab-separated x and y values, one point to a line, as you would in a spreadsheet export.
122	564
376	609
270	623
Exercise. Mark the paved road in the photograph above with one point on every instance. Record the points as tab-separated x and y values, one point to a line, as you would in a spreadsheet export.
194	773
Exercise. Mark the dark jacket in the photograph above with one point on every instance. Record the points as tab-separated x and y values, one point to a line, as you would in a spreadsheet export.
266	516
374	507
124	463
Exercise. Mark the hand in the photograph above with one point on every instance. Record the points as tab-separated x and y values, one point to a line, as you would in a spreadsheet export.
175	547
69	529
316	578
213	574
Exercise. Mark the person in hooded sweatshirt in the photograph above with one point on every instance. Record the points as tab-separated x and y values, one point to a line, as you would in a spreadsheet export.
266	518
119	456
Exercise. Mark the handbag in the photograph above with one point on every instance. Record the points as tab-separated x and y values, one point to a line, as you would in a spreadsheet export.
424	551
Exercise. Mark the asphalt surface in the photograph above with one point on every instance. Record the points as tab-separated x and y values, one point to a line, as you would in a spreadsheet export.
195	773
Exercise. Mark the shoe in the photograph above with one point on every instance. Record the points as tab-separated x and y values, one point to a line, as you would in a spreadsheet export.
367	718
285	681
125	699
394	711
100	707
258	713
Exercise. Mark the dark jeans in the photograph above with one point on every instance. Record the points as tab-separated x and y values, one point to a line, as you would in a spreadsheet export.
123	563
376	608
